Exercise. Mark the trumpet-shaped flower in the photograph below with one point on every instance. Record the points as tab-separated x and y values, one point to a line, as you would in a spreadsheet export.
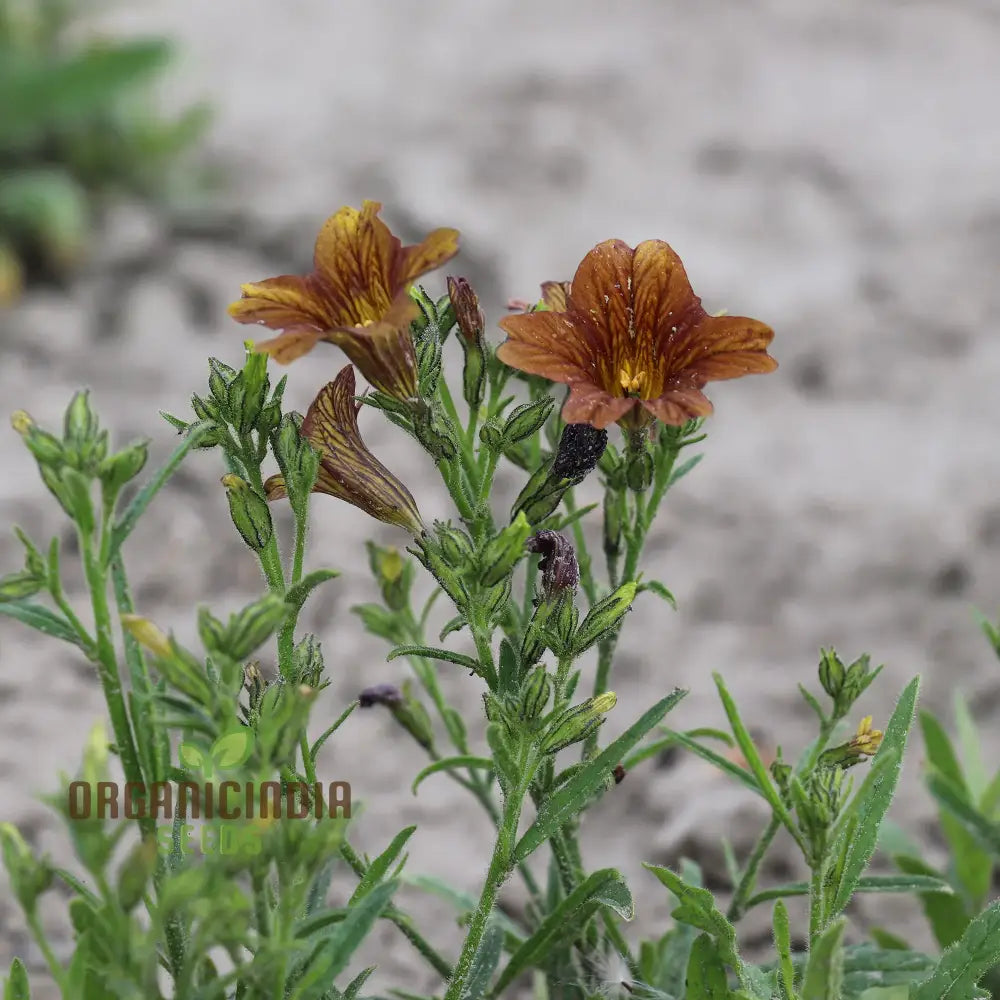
348	470
632	341
356	297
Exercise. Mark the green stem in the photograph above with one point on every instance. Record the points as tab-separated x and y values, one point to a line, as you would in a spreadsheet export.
816	902
107	668
58	972
401	920
749	878
500	868
582	555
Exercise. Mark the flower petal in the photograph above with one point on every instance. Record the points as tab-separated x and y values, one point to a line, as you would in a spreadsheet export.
555	295
602	291
554	345
274	488
588	404
356	255
288	346
678	405
662	297
437	247
348	470
288	302
723	347
383	351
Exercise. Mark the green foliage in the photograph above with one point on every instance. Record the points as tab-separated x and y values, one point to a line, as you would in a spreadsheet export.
77	126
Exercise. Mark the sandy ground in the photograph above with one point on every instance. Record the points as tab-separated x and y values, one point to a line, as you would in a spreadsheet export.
830	167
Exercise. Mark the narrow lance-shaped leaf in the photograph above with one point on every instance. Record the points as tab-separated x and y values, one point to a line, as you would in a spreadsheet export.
966	961
451	764
824	973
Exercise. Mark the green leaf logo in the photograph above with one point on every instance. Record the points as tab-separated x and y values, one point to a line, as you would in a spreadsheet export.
227	752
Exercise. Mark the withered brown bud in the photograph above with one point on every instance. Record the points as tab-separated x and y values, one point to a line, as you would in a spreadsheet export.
619	774
580	449
469	316
381	694
558	564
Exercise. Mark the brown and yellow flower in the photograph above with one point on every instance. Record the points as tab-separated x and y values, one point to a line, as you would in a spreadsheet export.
348	470
632	341
356	297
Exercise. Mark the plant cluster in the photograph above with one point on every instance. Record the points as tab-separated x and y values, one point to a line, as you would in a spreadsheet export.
533	615
77	125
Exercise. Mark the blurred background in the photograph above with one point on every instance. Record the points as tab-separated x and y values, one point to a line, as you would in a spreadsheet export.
830	167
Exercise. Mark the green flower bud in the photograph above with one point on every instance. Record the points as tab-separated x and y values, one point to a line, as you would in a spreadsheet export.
135	873
503	552
474	374
307	661
577	723
393	573
29	877
252	626
47	449
456	545
210	630
541	494
254	685
80	421
122	467
434	433
429	552
205	410
495	600
831	672
535	694
428	366
638	463
492	437
16	586
525	420
249	511
220	377
604	617
413	717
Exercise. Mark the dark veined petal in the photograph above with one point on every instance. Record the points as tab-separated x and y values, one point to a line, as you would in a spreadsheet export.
662	298
590	404
555	295
348	470
546	343
723	347
437	247
383	351
284	303
602	291
678	405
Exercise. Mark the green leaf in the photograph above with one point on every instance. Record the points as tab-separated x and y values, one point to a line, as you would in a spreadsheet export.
872	801
783	944
901	992
380	866
950	798
299	594
706	972
945	911
191	756
972	748
916	882
16	987
603	888
866	965
572	796
888	940
123	527
940	752
450	764
448	655
655	587
824	972
697	909
354	987
673	738
464	902
683	469
752	757
484	962
41	619
966	961
343	941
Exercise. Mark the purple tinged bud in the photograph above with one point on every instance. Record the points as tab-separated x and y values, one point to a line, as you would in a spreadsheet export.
580	449
381	694
560	570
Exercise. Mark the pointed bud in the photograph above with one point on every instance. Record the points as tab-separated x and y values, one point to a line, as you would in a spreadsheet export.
535	694
433	432
255	686
604	617
577	723
253	625
47	449
393	573
528	418
503	552
29	877
470	324
307	661
413	717
831	672
491	436
135	873
210	630
541	494
147	634
80	421
16	586
122	467
430	554
249	511
380	694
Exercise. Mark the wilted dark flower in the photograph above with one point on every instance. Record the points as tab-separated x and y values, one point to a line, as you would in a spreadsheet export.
348	470
380	694
468	315
632	338
580	449
356	297
558	564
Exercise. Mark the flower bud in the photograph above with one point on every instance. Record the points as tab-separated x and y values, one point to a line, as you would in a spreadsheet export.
249	511
525	420
380	694
210	630
580	449
17	586
541	494
220	377
577	723
255	686
535	694
29	877
503	552
205	409
247	392
430	554
413	717
135	873
393	573
307	661
560	570
491	436
47	449
638	462
122	467
435	434
147	634
468	315
865	744
253	625
80	420
604	617
831	672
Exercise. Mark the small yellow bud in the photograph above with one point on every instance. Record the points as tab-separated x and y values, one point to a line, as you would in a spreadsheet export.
21	422
147	634
603	703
